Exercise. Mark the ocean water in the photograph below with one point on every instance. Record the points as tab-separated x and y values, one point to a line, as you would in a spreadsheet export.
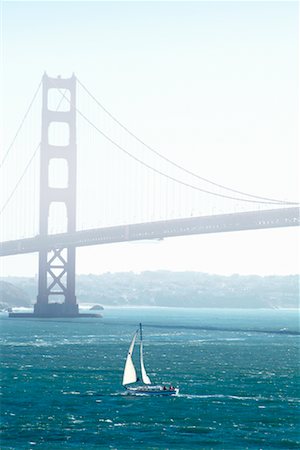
238	374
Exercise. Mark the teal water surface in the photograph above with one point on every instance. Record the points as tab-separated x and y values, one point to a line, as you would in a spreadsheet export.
237	371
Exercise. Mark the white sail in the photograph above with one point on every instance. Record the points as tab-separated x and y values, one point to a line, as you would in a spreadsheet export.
145	377
129	375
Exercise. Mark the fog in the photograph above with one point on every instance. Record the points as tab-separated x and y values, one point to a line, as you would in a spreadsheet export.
213	87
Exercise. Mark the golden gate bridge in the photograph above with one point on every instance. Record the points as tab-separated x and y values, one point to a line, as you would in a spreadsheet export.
82	183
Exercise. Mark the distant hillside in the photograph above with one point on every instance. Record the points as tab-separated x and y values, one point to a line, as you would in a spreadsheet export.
11	295
163	288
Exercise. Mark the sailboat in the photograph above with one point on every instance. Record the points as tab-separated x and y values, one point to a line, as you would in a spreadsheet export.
130	377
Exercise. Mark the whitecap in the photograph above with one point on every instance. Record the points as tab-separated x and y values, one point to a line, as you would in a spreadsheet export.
71	393
221	396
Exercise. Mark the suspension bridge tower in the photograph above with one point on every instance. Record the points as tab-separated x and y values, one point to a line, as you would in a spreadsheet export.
56	280
56	277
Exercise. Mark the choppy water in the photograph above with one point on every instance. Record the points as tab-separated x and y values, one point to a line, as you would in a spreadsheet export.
237	372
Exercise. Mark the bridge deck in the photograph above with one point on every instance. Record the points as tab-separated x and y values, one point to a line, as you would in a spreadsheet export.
274	218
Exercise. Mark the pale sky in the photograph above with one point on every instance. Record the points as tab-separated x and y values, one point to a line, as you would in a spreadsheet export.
213	86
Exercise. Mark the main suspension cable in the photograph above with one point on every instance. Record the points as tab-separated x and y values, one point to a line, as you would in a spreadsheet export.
173	163
176	180
20	179
28	164
21	124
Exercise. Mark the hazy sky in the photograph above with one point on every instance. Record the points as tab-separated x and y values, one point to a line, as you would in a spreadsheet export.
212	85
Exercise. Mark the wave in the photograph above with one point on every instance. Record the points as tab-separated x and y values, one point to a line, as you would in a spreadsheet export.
282	331
223	396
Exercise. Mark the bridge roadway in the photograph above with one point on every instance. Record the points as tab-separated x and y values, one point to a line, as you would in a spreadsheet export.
273	218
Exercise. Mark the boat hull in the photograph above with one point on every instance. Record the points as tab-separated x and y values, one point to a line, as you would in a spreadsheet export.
151	391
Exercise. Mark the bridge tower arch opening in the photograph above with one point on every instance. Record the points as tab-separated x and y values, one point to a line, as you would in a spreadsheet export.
56	277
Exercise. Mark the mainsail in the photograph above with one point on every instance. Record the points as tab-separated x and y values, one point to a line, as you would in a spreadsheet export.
145	377
129	375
